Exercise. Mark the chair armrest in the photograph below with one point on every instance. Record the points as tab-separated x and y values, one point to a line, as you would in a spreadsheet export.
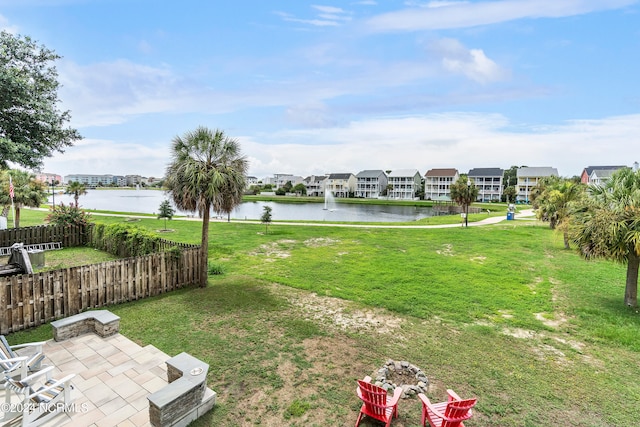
453	395
14	359
46	371
38	345
58	383
397	393
427	403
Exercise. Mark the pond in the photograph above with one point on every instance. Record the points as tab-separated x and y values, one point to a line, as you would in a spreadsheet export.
148	201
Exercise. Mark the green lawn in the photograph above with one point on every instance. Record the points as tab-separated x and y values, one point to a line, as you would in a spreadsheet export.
501	312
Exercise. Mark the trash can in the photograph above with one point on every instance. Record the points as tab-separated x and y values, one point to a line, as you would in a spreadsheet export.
509	216
36	256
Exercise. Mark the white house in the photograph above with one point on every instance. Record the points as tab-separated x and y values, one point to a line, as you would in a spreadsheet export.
488	181
341	184
370	184
529	178
405	183
437	183
315	185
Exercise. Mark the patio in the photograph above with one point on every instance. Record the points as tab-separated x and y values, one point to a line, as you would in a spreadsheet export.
113	378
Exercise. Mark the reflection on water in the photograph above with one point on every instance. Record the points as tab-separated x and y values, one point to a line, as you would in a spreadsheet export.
148	201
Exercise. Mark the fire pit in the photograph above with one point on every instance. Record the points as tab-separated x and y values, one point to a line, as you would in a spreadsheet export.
402	374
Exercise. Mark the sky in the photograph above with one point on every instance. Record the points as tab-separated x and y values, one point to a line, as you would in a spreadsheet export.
317	87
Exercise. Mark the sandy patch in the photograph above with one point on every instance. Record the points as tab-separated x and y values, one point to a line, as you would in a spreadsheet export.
342	315
447	250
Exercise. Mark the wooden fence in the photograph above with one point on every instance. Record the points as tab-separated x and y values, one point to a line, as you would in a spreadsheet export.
70	236
34	299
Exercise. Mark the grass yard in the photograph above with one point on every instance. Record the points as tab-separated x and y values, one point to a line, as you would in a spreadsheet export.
501	312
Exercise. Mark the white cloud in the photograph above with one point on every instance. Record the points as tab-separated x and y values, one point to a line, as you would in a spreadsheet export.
328	16
472	63
464	14
96	156
328	9
5	26
459	140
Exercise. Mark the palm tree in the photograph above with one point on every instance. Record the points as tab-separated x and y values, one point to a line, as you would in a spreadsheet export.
27	191
207	171
464	192
607	225
554	203
77	190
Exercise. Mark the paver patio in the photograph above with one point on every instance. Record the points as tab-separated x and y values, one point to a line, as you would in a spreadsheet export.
113	378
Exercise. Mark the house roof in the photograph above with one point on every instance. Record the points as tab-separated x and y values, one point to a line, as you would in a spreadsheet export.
442	172
536	171
315	178
486	172
340	175
370	173
602	173
404	172
590	169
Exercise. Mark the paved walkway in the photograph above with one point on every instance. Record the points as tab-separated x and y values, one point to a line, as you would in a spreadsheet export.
524	214
113	378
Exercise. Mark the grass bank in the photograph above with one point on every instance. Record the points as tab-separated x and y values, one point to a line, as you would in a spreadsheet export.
503	313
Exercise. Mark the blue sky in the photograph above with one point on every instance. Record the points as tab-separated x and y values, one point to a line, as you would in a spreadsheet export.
320	87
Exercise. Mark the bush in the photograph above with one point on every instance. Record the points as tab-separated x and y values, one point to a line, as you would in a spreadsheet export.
215	269
68	216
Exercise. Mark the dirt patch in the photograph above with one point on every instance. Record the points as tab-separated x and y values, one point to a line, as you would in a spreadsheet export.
552	323
273	250
447	250
478	259
343	315
320	242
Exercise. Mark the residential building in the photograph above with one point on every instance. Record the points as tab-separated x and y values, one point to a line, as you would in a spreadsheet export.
437	183
600	177
371	184
528	177
489	183
585	176
251	180
405	184
281	179
94	180
315	185
341	184
49	178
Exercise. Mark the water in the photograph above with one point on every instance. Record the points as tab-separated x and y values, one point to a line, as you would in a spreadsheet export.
148	201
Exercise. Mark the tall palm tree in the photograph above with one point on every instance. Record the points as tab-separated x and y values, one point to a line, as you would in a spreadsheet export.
607	225
76	189
554	204
27	191
207	171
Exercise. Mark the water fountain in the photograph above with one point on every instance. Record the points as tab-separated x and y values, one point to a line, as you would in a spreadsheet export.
329	200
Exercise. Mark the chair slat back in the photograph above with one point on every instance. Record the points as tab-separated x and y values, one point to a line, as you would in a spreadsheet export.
5	353
458	411
374	397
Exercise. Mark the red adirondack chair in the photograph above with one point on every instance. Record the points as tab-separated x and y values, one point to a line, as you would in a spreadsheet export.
376	404
446	414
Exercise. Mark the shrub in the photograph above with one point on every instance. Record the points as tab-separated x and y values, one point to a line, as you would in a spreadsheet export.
68	216
215	269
